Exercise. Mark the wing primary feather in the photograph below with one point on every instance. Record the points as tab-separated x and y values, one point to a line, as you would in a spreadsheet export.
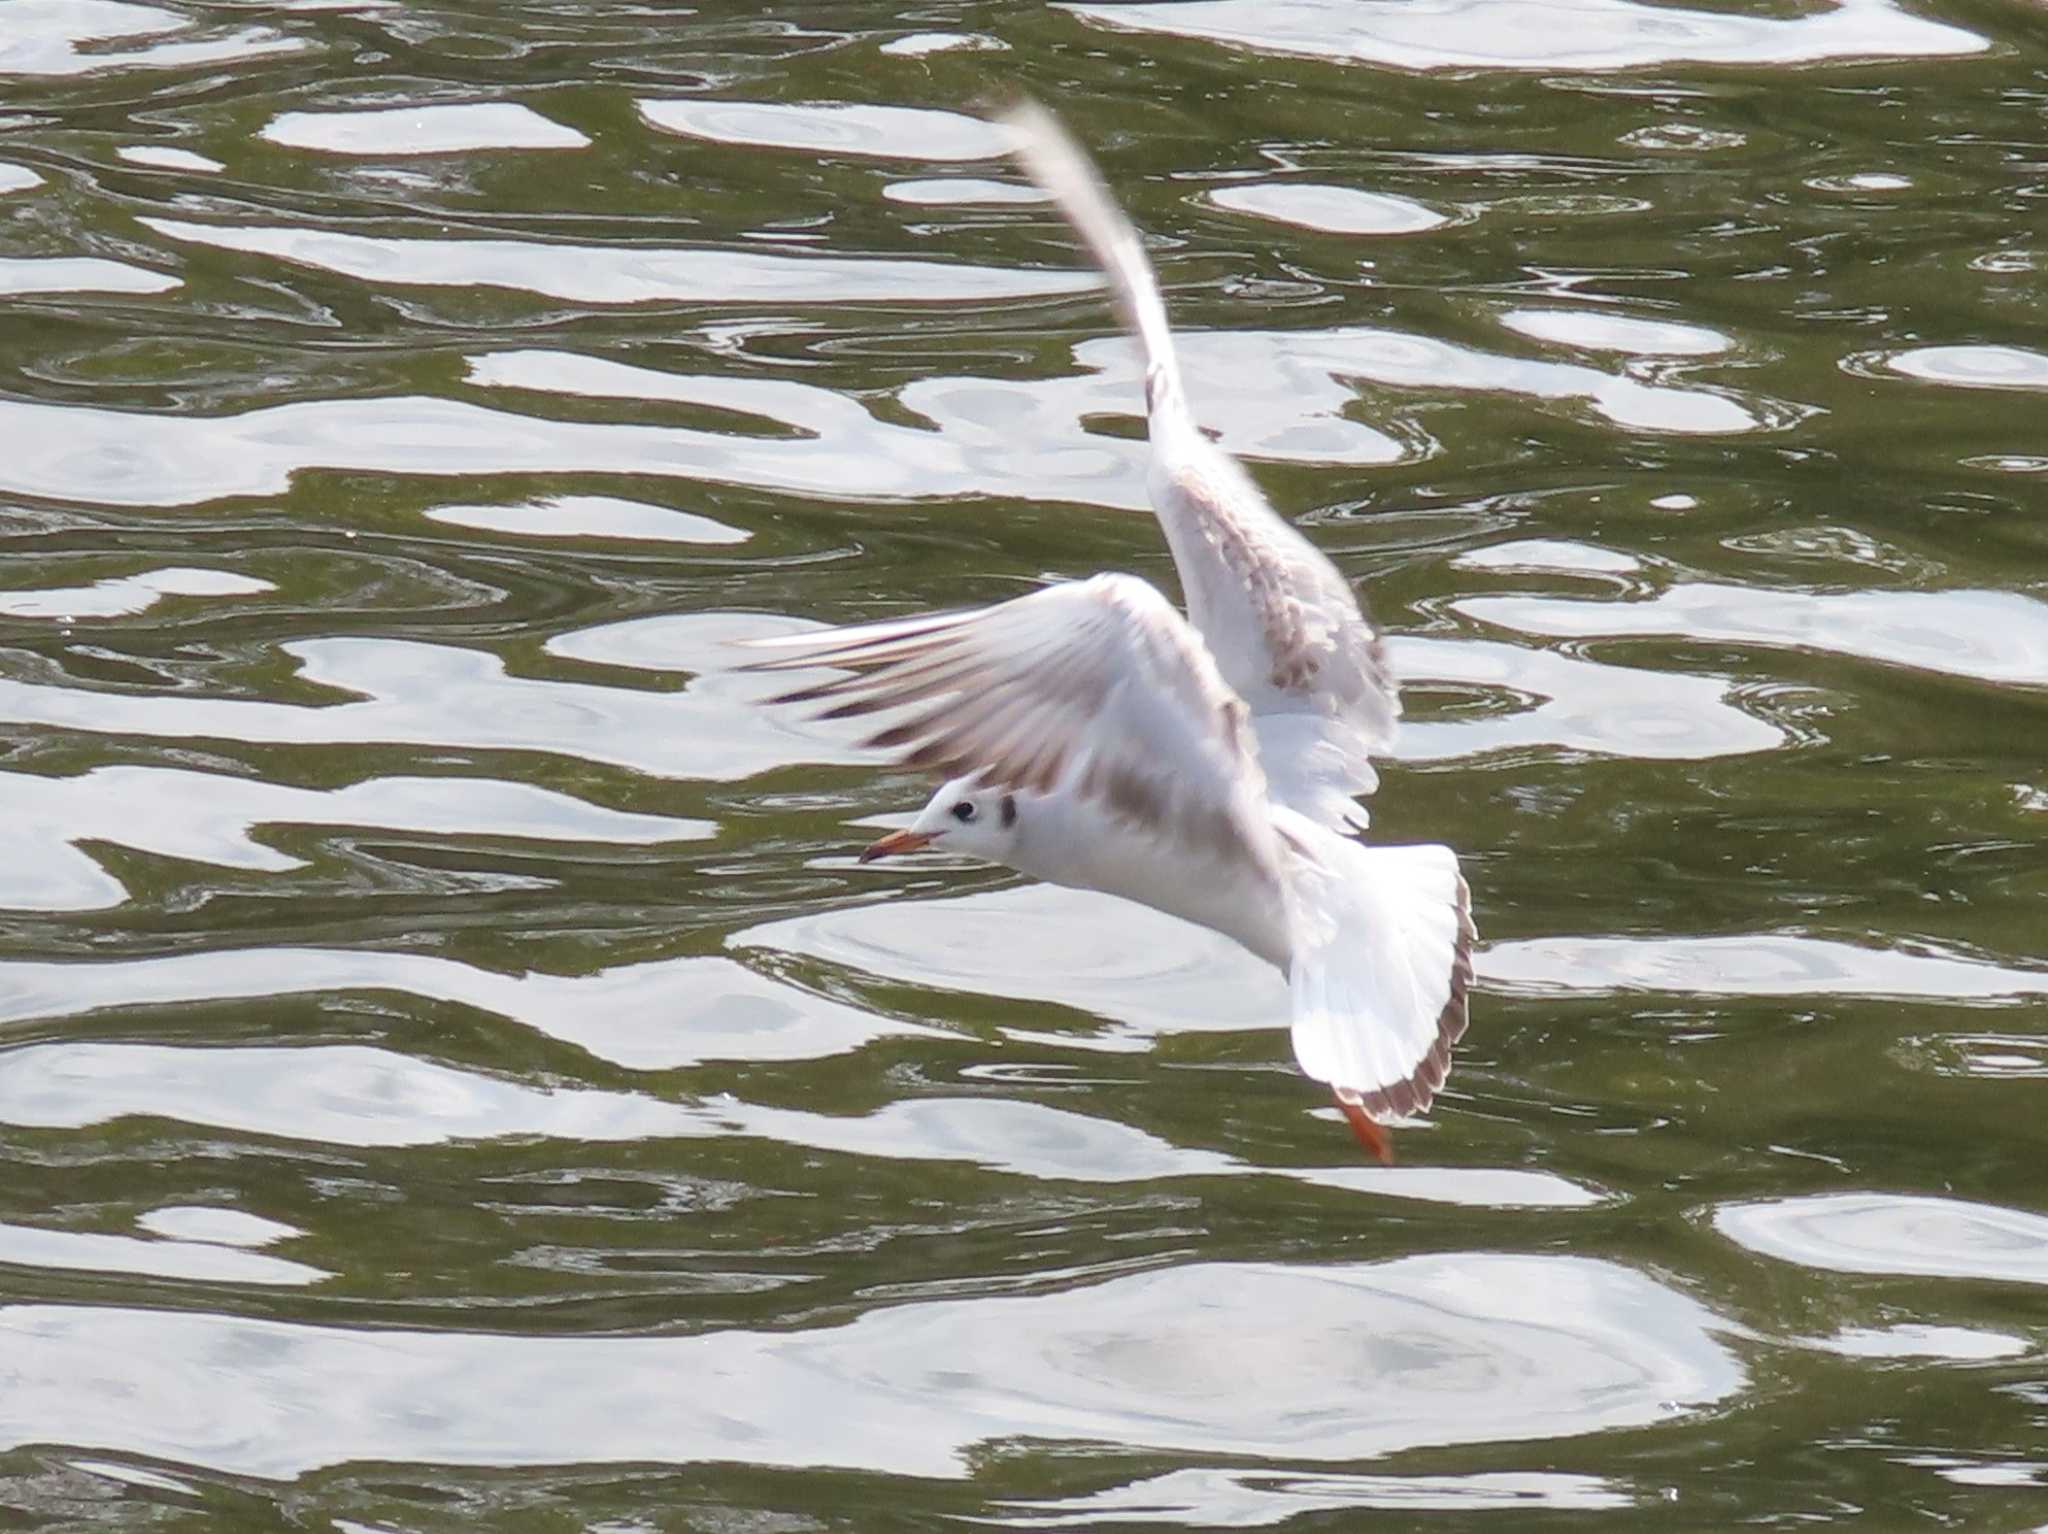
1097	685
817	646
1062	167
1285	628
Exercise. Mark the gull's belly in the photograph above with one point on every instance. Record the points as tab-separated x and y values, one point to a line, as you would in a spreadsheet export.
1100	853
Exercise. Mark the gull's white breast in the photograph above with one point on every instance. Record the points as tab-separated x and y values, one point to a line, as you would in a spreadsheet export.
1066	839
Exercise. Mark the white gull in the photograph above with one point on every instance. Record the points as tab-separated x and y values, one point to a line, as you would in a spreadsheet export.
1206	766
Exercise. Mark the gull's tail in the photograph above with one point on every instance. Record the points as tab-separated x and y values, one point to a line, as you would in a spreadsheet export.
1382	967
1063	169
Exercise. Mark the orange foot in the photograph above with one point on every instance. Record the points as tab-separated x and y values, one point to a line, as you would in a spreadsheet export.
1372	1134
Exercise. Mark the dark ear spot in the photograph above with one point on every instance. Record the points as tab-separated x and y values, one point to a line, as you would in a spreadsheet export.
1009	811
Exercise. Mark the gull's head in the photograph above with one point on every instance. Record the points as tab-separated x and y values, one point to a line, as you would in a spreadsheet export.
965	815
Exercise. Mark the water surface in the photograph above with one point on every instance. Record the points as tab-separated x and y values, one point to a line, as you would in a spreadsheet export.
453	1072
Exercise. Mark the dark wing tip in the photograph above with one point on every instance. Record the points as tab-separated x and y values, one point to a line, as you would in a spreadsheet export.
1418	1091
853	648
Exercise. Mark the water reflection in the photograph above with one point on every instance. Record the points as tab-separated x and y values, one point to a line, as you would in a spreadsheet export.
606	274
1683	138
830	127
78	453
1862	181
1540	34
354	1095
1963	367
420	695
1257	1499
977	435
591	516
70	37
1981	1472
1580	705
120	596
209	818
1760	964
653	1016
1104	958
1596	330
333	1094
186	1261
1020	1138
1559	554
1118	962
1291	396
451	129
1330	209
1422	362
1894	1233
1295	1363
918	45
23	275
1994	636
1988	1056
168	157
1913	1342
961	191
219	1227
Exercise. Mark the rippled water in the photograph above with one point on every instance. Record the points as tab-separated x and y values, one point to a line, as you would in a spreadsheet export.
456	1076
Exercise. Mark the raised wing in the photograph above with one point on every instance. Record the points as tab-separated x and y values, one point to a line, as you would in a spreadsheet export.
1285	629
1097	688
1317	766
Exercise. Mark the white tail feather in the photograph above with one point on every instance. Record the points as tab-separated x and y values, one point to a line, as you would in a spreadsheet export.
1379	985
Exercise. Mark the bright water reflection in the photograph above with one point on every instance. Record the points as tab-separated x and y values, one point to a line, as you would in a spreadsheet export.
1542	34
422	130
1308	1364
75	37
1256	1499
1875	1233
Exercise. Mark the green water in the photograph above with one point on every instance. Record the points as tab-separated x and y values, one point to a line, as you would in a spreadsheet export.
453	1073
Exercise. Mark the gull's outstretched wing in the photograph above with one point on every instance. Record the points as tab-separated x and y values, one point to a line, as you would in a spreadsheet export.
1284	627
1096	688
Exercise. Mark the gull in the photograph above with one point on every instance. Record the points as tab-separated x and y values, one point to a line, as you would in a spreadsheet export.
1206	765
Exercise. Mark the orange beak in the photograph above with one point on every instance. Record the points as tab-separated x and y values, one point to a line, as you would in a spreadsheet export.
896	841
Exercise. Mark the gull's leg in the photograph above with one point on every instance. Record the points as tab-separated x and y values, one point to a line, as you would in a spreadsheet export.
1372	1134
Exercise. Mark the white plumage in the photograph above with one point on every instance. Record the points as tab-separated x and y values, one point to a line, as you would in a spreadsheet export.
1208	765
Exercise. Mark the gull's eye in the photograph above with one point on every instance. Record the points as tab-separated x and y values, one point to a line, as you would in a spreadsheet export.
964	811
